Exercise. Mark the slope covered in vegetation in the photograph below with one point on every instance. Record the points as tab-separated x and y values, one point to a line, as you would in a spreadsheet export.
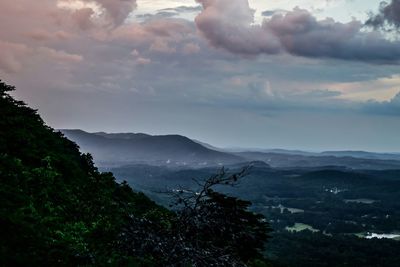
57	209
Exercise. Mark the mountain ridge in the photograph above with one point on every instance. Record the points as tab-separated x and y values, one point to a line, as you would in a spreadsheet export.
154	149
110	149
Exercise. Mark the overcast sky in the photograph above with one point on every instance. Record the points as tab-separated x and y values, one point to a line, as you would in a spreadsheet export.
299	74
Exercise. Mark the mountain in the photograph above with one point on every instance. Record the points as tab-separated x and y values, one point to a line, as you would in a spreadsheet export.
117	149
362	155
273	150
339	153
286	160
210	146
58	209
128	148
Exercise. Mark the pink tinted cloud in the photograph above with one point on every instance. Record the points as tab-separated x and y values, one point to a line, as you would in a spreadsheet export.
160	36
112	12
41	35
117	10
162	46
59	55
52	31
82	18
191	48
143	61
11	55
228	24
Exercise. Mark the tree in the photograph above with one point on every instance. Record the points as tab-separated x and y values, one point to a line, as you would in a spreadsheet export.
57	209
209	228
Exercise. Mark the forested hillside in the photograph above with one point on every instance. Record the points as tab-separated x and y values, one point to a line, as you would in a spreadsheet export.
57	209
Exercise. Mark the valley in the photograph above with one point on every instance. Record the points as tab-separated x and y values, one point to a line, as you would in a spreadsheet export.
303	196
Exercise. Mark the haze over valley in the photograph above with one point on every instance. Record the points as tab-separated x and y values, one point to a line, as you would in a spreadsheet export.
330	197
180	151
196	133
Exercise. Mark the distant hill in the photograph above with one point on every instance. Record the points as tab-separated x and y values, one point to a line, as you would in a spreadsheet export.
287	160
339	153
127	148
117	149
362	155
273	150
210	146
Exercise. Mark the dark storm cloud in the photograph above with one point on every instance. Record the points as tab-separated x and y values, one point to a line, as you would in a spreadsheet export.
389	14
229	25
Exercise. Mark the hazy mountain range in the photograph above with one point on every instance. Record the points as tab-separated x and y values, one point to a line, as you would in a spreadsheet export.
127	148
110	149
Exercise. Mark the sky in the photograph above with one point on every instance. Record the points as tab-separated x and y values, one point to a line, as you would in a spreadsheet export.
295	74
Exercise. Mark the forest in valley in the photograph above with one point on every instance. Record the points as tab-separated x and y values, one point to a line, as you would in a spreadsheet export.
58	208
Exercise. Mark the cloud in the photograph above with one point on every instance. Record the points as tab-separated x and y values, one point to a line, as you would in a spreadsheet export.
173	29
60	56
301	34
143	61
186	12
191	48
380	89
229	24
83	18
269	13
183	9
47	48
11	55
118	10
316	94
139	60
41	35
74	45
109	12
391	107
159	36
100	13
162	46
388	15
165	14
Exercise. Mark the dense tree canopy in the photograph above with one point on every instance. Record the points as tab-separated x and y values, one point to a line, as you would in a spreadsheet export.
57	209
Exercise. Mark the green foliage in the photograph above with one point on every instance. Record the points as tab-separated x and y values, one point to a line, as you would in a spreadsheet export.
228	222
57	209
